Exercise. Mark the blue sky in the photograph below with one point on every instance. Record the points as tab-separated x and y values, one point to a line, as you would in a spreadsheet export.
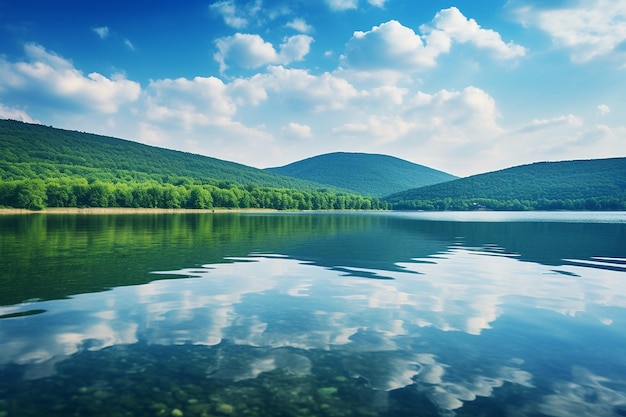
461	86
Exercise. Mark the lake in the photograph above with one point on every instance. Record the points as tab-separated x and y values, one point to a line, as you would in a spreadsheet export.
313	314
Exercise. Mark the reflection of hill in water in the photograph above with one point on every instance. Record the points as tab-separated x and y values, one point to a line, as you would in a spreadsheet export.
53	256
546	243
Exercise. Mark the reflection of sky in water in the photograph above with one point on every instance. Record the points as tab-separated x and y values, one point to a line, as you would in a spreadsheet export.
457	326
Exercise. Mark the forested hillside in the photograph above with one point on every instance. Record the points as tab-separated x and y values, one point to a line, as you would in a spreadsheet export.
367	174
46	167
598	184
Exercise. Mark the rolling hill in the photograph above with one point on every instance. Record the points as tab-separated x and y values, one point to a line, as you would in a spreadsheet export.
367	174
44	167
597	184
30	150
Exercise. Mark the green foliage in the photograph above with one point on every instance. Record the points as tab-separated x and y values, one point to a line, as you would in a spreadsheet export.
43	167
33	151
598	184
366	174
38	194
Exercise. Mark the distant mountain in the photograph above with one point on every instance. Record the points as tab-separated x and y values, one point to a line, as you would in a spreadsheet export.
43	167
572	185
367	174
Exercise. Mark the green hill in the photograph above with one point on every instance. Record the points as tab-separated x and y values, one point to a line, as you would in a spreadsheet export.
46	167
28	150
367	174
598	184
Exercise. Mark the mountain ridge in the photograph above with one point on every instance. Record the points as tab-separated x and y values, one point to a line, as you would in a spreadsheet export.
586	184
366	173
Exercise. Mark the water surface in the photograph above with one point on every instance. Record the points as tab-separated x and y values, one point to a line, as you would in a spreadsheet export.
299	314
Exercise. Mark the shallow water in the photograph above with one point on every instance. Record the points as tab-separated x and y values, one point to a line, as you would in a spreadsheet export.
354	314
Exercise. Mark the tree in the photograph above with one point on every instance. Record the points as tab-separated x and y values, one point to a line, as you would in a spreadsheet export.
31	194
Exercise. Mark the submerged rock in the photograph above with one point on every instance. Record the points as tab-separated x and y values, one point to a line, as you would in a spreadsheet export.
225	409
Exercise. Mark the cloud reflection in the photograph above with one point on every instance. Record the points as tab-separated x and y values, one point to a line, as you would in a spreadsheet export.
280	309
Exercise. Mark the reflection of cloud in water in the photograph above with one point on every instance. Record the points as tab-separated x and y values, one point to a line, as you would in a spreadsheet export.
386	371
586	395
240	364
383	372
449	394
278	307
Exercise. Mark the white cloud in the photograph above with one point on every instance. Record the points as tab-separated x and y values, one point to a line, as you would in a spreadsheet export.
298	131
285	114
540	124
382	129
603	109
300	25
51	77
463	30
15	114
295	48
561	138
456	116
129	44
229	13
342	4
391	46
590	28
251	51
192	105
318	93
102	31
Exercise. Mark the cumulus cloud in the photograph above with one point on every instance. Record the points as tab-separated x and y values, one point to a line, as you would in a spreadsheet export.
198	102
317	92
228	11
198	115
392	46
463	30
297	130
102	31
603	109
456	114
300	25
251	51
589	28
49	76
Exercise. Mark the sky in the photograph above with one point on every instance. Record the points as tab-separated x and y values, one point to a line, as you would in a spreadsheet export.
461	86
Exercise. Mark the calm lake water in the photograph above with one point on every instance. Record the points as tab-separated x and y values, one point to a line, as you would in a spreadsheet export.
323	314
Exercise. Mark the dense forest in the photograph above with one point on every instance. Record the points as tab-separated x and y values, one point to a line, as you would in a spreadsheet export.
367	174
44	167
598	184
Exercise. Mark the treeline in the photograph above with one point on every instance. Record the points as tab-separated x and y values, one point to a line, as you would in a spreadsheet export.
38	194
456	204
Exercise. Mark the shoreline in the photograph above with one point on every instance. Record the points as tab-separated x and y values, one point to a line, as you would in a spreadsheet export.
126	210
